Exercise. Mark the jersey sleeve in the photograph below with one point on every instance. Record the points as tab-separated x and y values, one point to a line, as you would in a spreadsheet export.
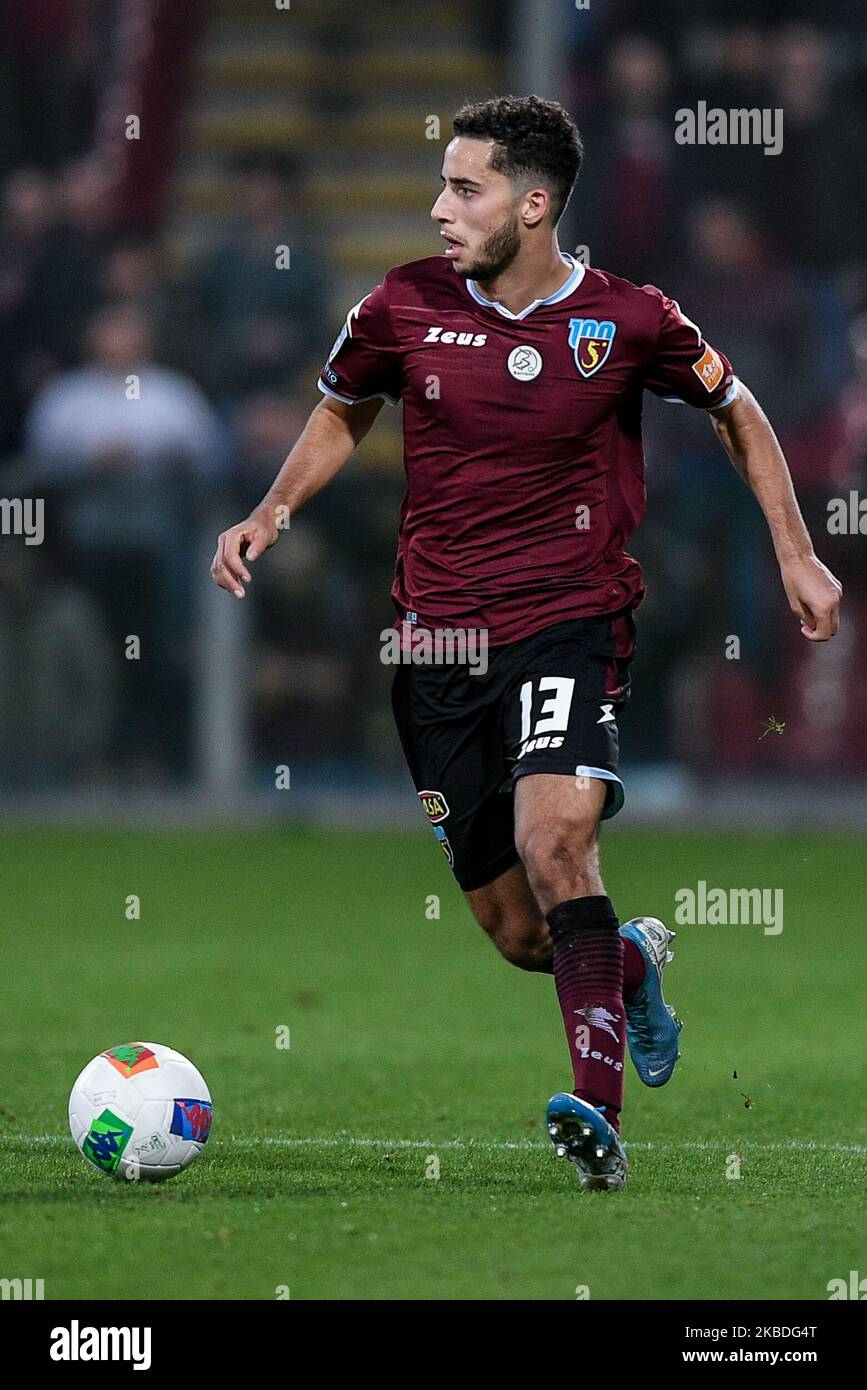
365	361
683	366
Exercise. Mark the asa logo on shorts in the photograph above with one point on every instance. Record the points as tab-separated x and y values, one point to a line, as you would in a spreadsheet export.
590	341
434	805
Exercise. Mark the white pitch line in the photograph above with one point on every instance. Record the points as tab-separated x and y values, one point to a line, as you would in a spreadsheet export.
244	1141
701	1145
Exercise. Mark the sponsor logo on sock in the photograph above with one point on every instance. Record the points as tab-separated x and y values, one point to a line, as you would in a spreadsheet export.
586	1056
599	1017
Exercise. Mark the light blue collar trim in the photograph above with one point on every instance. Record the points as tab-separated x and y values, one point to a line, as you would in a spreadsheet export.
564	291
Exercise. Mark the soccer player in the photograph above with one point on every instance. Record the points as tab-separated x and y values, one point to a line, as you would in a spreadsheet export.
521	373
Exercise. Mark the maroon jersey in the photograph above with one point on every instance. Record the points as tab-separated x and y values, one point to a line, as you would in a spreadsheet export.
522	437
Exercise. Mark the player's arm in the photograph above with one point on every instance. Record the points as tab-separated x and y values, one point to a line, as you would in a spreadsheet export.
682	366
326	443
362	370
747	437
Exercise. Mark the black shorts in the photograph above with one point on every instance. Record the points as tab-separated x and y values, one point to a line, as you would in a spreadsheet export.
547	703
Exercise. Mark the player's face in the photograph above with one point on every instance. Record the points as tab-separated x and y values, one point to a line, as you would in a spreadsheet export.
476	212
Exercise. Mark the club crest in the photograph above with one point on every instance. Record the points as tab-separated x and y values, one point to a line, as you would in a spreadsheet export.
590	341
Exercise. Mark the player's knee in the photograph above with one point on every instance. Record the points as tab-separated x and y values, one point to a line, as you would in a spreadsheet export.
522	942
558	851
527	952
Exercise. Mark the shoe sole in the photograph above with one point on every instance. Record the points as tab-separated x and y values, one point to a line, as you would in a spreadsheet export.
573	1139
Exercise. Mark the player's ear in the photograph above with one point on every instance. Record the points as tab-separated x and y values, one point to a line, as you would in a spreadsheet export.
536	206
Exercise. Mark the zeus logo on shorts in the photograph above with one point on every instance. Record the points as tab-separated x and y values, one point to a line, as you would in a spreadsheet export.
552	717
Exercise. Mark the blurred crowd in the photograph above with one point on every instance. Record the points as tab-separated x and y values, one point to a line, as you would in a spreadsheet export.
143	400
149	397
768	253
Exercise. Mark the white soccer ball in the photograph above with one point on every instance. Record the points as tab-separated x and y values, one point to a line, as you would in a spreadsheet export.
140	1110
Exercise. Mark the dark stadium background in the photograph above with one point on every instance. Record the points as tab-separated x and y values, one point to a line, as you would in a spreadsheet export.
308	128
324	907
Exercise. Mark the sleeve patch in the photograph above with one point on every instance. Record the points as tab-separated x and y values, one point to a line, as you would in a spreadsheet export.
709	369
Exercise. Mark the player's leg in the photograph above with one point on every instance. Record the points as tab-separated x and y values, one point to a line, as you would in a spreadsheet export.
560	728
556	835
508	911
560	721
449	727
560	732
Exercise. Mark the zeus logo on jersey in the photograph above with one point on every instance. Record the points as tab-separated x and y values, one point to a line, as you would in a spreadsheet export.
437	335
590	341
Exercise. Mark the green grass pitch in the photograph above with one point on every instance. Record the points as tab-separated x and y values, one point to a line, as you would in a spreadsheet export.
412	1045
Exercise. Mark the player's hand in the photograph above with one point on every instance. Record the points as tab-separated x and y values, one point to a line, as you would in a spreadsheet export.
814	596
254	536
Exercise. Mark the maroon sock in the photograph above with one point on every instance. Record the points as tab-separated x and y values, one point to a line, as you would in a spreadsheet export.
588	975
634	967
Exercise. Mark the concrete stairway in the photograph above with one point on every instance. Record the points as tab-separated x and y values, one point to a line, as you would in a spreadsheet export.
350	90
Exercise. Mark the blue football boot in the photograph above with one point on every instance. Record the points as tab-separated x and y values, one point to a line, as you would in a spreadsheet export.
580	1132
652	1026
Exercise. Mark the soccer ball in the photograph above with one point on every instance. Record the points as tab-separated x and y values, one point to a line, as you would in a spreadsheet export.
140	1110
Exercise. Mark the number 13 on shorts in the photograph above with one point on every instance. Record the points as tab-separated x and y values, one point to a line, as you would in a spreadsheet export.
553	713
552	718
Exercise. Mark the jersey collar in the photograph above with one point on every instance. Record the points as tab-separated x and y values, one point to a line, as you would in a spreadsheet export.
564	291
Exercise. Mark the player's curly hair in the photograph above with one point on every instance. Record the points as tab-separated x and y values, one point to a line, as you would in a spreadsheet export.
534	139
